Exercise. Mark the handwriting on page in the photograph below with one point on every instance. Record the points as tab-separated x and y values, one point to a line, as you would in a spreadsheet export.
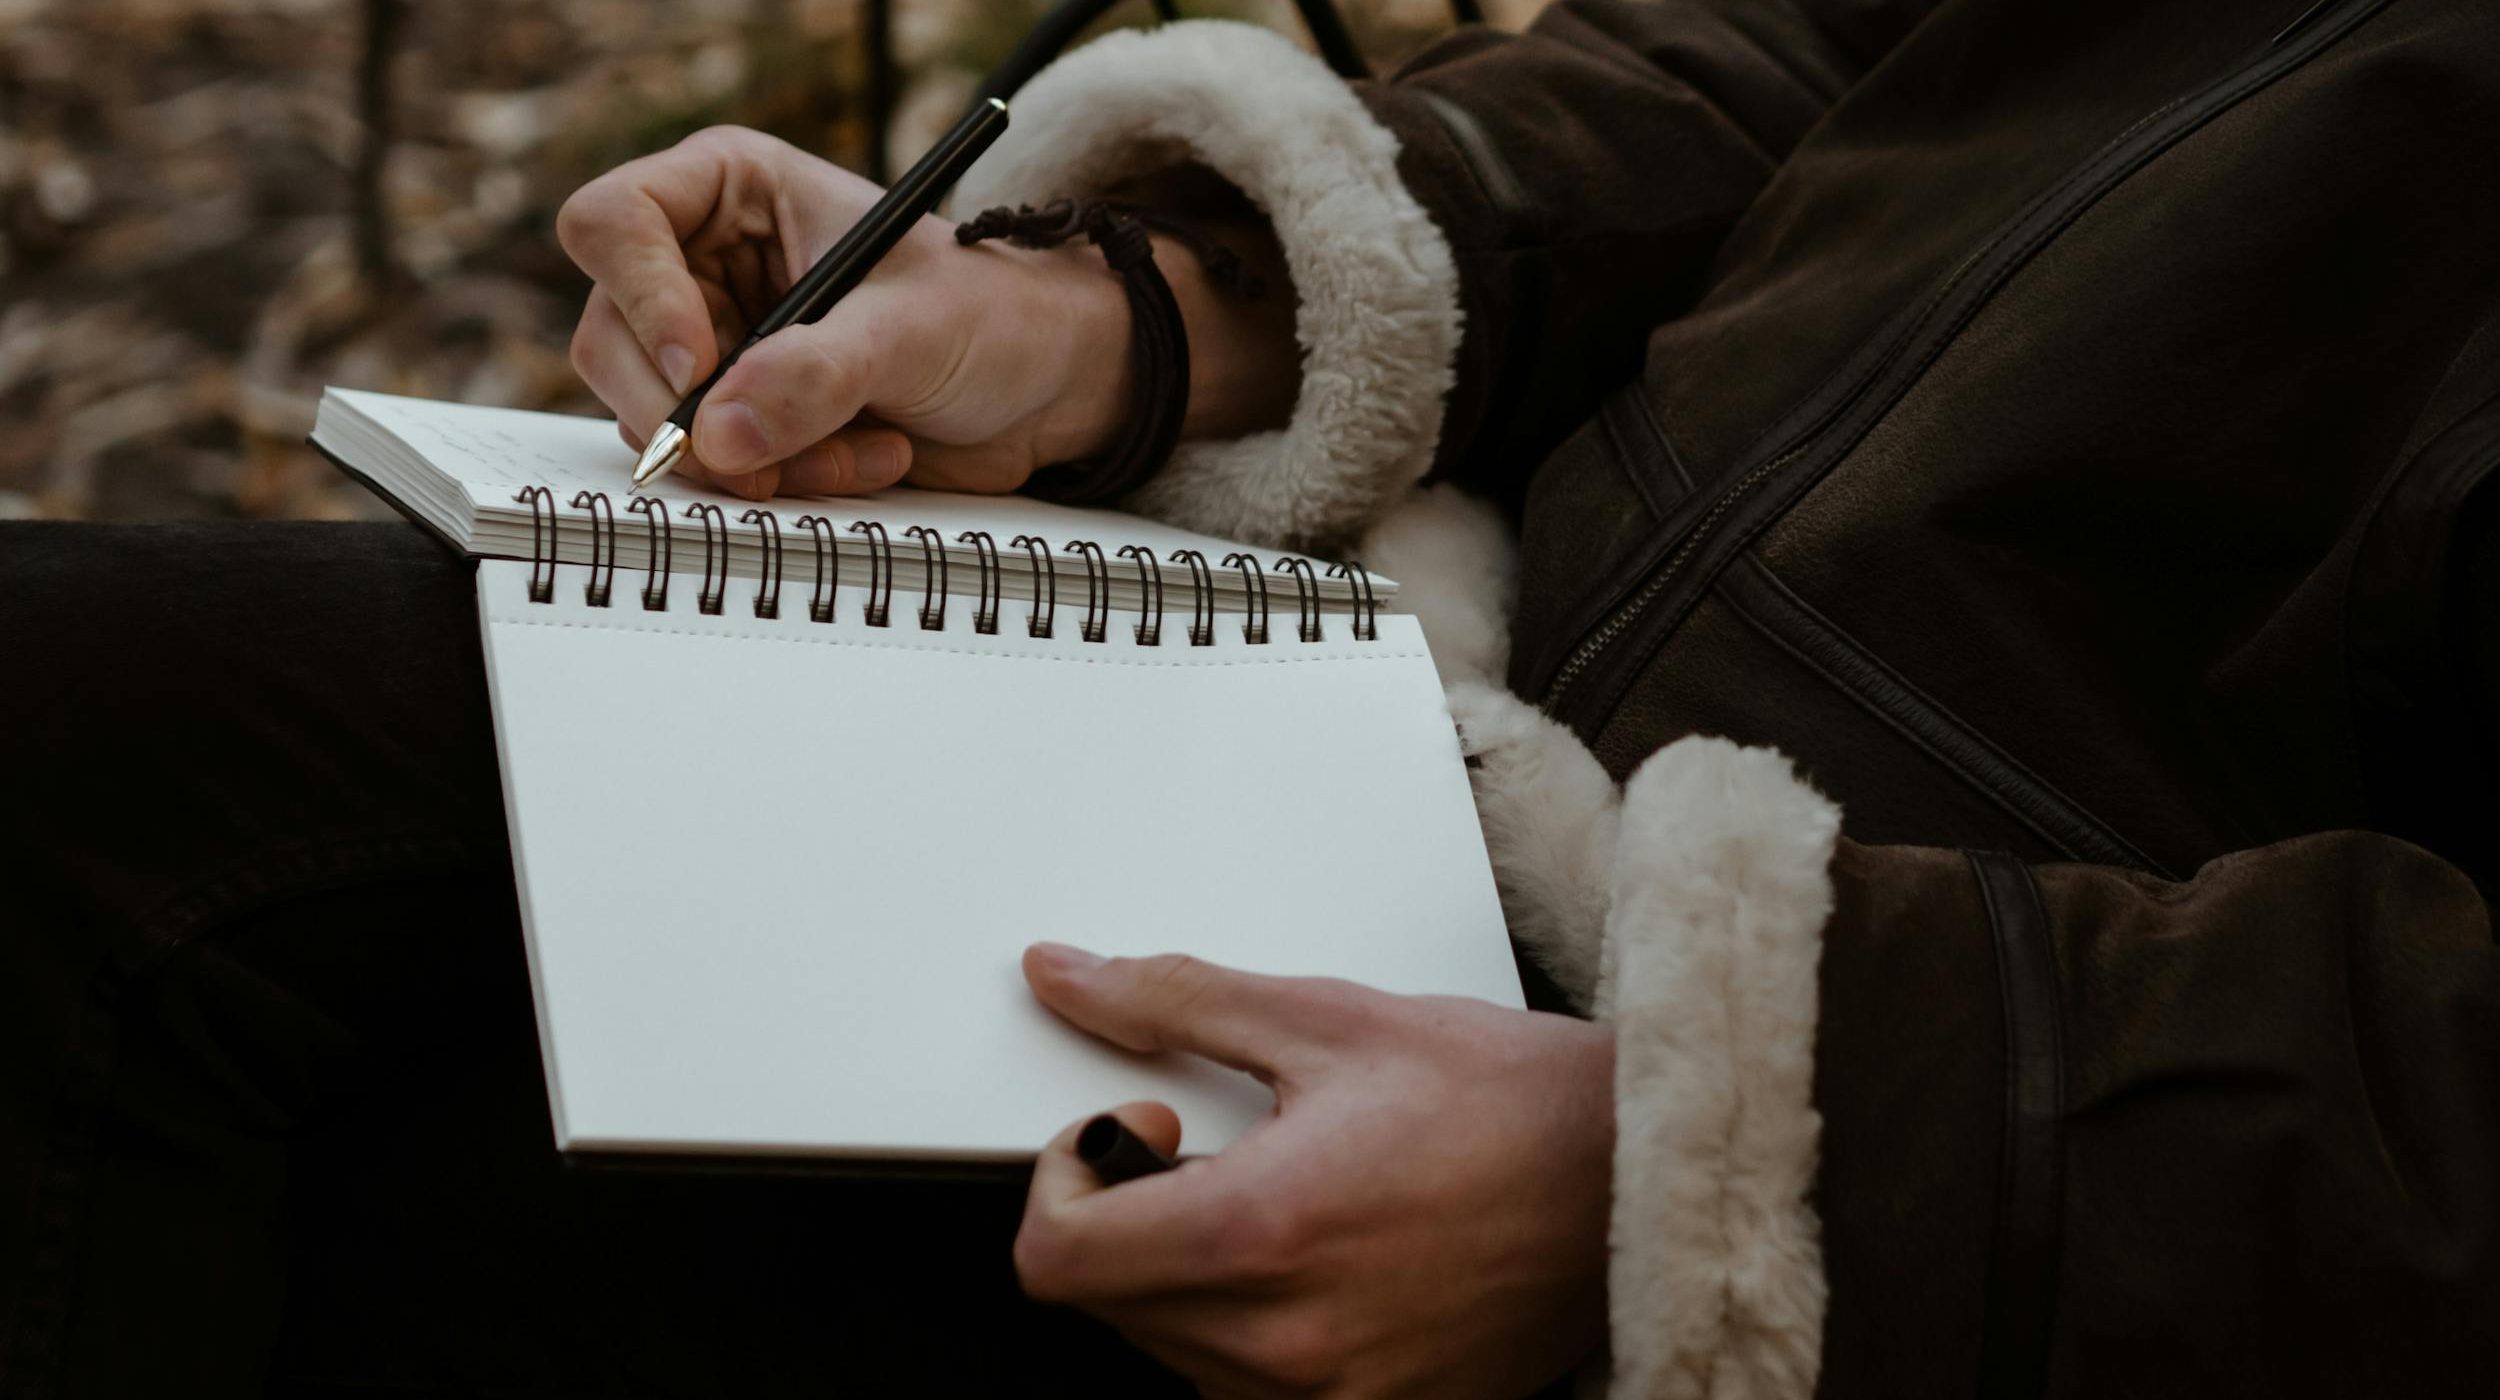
484	452
495	451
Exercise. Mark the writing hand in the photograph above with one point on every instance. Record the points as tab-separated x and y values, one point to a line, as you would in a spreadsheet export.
957	368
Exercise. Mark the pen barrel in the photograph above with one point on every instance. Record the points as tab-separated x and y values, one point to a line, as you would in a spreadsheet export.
693	402
1115	1153
856	254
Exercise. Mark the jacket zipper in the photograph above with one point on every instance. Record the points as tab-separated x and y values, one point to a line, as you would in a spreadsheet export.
1789	622
1922	336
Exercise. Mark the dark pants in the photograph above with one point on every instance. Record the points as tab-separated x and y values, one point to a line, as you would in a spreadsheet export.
271	1113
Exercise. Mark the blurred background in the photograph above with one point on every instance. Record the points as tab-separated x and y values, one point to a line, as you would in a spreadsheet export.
211	208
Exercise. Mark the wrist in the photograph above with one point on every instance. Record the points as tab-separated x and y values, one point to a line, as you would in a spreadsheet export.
1097	356
1244	366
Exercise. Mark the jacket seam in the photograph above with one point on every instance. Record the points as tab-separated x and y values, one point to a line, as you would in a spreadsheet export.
2373	522
1760	598
1890	338
1896	361
1630	465
1777	594
2025	1242
1493	177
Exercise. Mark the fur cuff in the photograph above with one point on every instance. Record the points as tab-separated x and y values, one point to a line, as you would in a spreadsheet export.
1379	322
1457	568
1550	816
1721	888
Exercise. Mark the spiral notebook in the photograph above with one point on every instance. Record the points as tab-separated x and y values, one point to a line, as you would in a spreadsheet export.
782	831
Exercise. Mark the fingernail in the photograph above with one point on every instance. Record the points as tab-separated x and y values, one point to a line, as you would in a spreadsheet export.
677	362
1067	961
733	437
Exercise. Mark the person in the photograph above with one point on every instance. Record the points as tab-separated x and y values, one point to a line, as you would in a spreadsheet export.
2049	447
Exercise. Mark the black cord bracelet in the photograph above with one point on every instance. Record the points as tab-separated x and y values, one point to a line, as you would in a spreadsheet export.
1159	339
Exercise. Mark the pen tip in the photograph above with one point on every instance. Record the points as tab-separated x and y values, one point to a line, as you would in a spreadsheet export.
667	445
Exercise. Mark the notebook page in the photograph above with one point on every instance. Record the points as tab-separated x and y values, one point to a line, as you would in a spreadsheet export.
489	454
777	875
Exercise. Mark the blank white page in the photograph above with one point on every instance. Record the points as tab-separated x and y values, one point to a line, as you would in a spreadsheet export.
777	875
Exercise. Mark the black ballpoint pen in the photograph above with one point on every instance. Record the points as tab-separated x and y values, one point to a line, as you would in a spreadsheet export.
843	265
1115	1153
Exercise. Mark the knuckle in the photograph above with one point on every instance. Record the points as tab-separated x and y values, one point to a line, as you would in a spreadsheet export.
1179	974
1302	1349
1351	1011
1041	1264
738	147
827	364
582	214
585	350
1259	1239
1175	983
722	136
841	464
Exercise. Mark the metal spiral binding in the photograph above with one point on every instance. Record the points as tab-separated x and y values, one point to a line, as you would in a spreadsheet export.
1366	606
1097	589
932	577
715	556
1149	595
993	582
661	560
828	567
1306	592
1045	585
602	580
768	586
880	571
1201	597
542	504
1254	621
825	592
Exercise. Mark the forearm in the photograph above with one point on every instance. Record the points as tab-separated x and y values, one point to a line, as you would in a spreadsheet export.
2078	1106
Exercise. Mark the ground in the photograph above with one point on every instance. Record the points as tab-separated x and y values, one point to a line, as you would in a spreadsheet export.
185	259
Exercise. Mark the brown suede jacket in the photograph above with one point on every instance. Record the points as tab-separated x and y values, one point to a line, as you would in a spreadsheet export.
2068	431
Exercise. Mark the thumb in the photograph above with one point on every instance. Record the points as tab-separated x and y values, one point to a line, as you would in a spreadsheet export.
1060	1174
802	384
1277	1028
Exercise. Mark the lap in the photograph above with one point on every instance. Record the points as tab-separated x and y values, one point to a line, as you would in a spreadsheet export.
205	716
269	1080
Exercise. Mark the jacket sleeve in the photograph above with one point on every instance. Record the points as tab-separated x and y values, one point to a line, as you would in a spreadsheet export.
1556	194
1913	1121
2157	1135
